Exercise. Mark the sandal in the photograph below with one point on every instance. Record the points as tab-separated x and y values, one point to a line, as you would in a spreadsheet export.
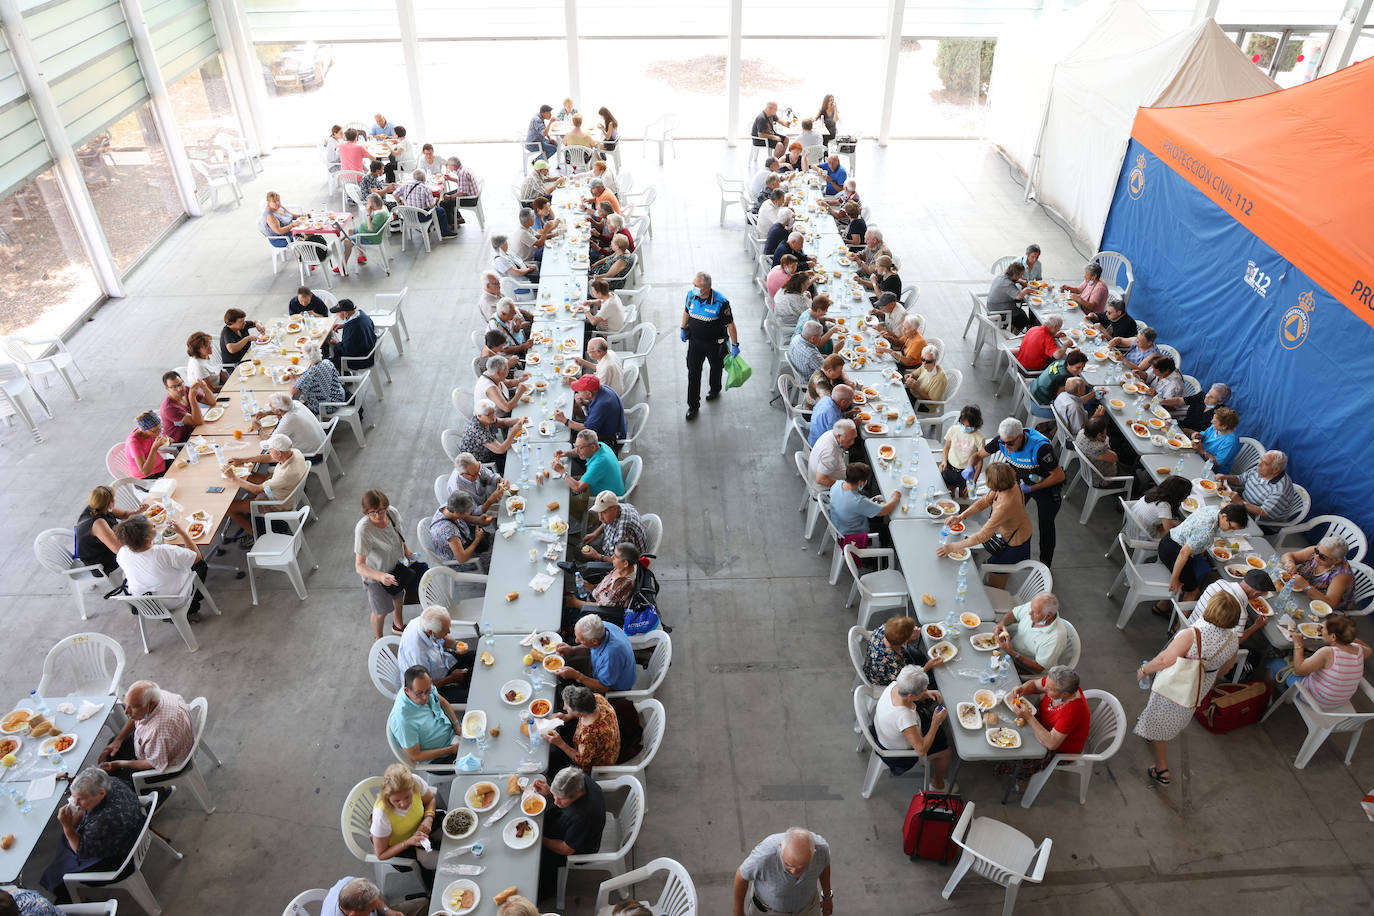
1161	609
1159	776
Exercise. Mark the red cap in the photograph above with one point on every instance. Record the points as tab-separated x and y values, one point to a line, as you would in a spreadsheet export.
587	383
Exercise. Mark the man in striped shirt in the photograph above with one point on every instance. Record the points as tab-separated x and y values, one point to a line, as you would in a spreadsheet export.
1266	490
157	736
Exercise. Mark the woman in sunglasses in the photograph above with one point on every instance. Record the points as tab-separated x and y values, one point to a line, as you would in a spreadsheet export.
1322	573
929	382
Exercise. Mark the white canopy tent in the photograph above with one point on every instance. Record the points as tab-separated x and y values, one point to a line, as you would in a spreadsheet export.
1125	61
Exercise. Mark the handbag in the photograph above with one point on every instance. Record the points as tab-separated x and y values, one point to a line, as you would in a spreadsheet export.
1181	682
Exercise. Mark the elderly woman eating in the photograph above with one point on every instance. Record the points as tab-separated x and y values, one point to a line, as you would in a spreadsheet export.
482	437
1332	674
893	645
595	741
100	825
96	544
403	817
1322	572
908	716
320	382
611	594
454	539
1092	293
929	382
1061	721
1221	442
617	265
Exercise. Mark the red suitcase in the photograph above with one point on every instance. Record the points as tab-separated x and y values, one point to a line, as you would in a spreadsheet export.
929	823
1231	706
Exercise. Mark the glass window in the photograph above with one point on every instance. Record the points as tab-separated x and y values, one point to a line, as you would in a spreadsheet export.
312	86
130	182
814	19
521	74
484	19
1300	57
1278	12
204	109
942	86
657	18
640	81
45	277
798	73
1364	46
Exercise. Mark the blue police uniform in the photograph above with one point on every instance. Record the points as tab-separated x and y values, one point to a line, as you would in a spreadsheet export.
708	321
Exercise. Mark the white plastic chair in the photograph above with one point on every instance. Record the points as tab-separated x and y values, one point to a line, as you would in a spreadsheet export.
1112	263
16	396
1322	723
654	721
350	410
1145	582
660	131
311	257
378	364
883	590
1297	515
1105	736
411	222
811	496
83	664
648	681
378	249
219	179
80	883
576	159
388	313
188	774
278	253
1002	854
300	905
645	338
473	203
59	363
678	897
1343	528
1095	486
857	641
642	205
441	584
1247	456
103	908
796	420
236	151
865	702
53	548
282	552
618	838
321	470
1038	579
653	532
636	418
731	191
383	667
422	531
355	822
261	507
344	178
956	381
449	440
631	468
1172	353
1191	386
170	607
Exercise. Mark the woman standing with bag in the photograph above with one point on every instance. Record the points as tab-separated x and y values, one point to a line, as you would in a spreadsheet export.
383	561
1187	669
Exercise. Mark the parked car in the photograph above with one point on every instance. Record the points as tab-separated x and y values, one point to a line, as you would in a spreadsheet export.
294	67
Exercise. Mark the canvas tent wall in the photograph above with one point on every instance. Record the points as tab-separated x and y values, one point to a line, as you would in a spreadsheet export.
1247	225
1093	100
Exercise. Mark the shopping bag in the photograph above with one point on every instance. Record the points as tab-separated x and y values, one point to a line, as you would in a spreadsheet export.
737	371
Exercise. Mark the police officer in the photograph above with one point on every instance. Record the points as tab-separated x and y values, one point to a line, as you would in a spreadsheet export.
706	322
1037	468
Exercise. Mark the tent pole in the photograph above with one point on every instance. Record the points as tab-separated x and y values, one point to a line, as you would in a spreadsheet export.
1039	139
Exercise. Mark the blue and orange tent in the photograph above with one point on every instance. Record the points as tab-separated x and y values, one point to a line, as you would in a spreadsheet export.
1248	224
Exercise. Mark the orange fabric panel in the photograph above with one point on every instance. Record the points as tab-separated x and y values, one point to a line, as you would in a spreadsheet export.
1295	167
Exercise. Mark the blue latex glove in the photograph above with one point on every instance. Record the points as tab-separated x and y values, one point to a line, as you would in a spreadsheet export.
1025	489
968	473
682	332
734	349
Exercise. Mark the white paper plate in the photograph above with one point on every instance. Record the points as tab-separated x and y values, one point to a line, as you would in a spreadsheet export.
1010	733
451	893
474	723
947	650
467	833
988	637
523	692
213	414
969	716
47	746
524	842
496	796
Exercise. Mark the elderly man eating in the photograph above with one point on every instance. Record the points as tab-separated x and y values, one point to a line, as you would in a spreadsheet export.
601	471
604	659
360	897
484	485
1033	635
428	643
1043	344
602	411
296	422
785	869
573	824
619	522
291	468
1070	405
793	245
483	438
829	410
804	352
99	826
1266	490
157	736
603	361
422	722
830	455
415	193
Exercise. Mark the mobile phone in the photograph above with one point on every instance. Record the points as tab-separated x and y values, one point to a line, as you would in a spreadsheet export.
214	489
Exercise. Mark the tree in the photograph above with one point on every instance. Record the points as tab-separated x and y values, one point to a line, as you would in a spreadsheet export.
965	67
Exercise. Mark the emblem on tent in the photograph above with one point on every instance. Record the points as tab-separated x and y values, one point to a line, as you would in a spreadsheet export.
1135	182
1297	321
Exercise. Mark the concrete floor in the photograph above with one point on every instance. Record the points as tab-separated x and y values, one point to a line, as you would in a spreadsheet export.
759	695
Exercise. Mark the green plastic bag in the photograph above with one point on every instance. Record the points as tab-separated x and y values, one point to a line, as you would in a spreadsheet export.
737	371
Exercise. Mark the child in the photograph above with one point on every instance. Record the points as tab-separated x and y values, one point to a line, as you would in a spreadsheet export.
962	442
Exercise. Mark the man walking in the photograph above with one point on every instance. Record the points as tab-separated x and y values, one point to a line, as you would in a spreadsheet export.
706	323
791	876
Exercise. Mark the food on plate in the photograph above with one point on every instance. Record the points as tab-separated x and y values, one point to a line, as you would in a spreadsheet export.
514	695
984	699
1140	429
458	822
935	511
482	795
887	452
968	715
511	596
1003	737
196	531
960	554
944	651
533	804
38	727
1261	606
983	641
462	899
523	828
505	895
1255	562
1190	504
1209	485
1156	423
956	527
970	619
8	746
1221	553
928	599
991	718
1237	571
864	417
1320	608
540	707
63	743
935	631
13	721
1310	630
874	427
553	663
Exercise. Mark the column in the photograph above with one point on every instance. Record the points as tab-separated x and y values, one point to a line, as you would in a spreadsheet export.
410	50
1337	54
243	71
1204	9
64	157
163	116
732	72
895	10
574	53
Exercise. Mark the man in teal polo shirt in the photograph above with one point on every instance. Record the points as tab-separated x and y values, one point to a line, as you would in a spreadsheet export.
423	722
602	471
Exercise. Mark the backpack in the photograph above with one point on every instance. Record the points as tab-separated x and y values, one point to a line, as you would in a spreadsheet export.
641	611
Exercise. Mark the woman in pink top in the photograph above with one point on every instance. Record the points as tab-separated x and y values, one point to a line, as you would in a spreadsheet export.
140	449
1332	674
1091	294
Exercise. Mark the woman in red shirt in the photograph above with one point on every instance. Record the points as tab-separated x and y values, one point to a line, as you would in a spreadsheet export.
1060	722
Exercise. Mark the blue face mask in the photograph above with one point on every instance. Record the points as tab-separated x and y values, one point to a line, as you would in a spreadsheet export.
968	429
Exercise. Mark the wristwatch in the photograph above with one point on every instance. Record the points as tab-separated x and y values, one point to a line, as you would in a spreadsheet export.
828	896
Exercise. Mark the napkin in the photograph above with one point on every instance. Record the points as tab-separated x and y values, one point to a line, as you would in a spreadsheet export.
469	764
507	530
545	726
66	708
43	788
1244	545
1286	623
88	709
541	583
531	639
552	569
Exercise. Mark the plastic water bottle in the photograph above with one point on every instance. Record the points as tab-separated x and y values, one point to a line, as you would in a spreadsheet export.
1178	468
544	520
1144	679
488	633
38	703
963	571
192	457
581	587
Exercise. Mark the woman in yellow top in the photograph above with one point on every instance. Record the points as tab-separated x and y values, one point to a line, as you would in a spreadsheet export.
577	136
403	817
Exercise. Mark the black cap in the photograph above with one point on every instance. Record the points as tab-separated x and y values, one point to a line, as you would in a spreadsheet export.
345	305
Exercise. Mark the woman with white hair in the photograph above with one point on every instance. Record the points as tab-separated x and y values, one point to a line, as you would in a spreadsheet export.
618	264
484	485
455	540
908	716
909	340
483	437
99	826
1322	572
291	468
929	382
512	327
294	421
320	382
1061	720
493	385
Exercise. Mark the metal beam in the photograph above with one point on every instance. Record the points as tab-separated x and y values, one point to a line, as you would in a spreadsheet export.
410	51
1204	9
163	115
73	184
895	10
574	51
732	70
1345	37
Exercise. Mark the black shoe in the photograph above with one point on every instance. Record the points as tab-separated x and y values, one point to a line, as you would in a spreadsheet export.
691	414
567	566
713	395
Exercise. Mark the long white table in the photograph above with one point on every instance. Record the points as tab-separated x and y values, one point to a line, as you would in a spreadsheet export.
503	866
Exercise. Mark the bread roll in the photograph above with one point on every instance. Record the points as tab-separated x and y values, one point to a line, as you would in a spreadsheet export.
513	785
928	599
553	506
7	841
505	895
511	596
